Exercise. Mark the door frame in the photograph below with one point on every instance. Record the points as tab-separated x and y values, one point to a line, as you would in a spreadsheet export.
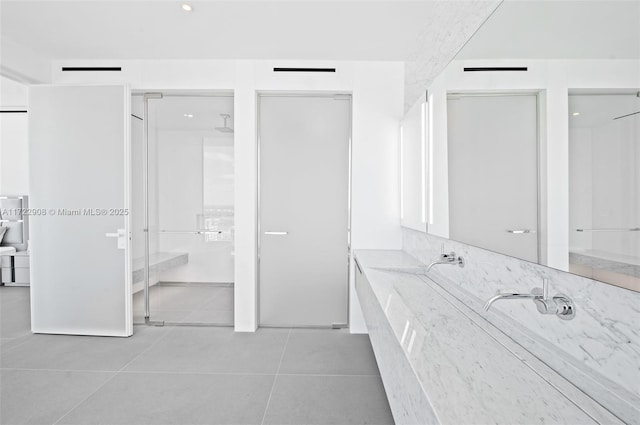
539	154
318	94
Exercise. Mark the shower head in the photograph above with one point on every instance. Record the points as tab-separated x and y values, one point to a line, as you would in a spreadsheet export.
225	128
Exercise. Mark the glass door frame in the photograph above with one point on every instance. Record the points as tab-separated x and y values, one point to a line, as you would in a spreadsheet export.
157	95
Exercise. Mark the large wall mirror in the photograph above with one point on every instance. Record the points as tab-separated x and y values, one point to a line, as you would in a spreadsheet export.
533	140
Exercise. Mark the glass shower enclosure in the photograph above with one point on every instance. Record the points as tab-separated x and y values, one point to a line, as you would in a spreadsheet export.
604	184
186	231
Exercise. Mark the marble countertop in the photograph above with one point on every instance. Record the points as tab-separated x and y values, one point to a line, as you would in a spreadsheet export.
469	370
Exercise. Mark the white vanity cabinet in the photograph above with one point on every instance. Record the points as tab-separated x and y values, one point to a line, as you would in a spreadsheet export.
15	268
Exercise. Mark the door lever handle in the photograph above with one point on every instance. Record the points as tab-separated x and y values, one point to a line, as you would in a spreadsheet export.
122	238
276	233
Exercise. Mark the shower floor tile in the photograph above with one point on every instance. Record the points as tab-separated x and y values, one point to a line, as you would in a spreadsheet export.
188	303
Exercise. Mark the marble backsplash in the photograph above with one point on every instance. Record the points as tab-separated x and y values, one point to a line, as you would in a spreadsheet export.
599	350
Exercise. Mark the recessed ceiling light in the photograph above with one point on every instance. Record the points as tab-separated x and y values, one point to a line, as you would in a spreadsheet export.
187	7
575	114
188	115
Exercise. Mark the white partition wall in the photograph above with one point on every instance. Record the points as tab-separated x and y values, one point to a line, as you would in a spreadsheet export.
79	147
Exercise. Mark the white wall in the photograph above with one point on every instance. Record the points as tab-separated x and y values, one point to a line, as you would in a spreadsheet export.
377	89
14	150
181	191
552	79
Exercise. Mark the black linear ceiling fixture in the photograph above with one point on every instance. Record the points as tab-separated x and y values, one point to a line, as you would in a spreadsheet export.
495	68
92	68
304	70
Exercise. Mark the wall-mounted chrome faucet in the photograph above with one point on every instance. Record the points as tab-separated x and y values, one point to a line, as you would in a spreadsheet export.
450	258
559	304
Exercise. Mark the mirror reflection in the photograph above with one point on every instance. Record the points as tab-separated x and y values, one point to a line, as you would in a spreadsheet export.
533	140
604	187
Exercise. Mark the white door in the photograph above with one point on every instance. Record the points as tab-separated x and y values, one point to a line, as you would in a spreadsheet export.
493	173
79	150
304	210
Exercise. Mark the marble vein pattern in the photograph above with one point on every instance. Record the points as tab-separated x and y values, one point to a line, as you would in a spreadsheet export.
467	375
408	401
598	351
446	31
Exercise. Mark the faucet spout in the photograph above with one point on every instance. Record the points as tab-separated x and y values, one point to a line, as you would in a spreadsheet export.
506	296
434	263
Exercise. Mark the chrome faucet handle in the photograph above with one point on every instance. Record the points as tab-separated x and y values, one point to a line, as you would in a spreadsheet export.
560	305
450	258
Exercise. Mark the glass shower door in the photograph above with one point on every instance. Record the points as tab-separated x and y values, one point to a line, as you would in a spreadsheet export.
605	188
191	209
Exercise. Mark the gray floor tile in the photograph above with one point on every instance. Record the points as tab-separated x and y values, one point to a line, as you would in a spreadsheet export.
42	397
220	317
188	297
339	400
64	352
13	293
151	398
170	316
187	304
329	352
215	350
15	316
221	299
7	344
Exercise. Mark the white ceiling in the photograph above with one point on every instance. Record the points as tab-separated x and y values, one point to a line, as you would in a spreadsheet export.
160	29
606	29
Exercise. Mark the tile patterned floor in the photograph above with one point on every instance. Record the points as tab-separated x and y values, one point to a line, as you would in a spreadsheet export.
189	303
185	375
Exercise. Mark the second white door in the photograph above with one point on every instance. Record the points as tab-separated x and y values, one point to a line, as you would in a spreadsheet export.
304	210
493	173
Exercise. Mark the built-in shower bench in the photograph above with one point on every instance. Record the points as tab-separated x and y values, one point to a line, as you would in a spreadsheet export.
158	262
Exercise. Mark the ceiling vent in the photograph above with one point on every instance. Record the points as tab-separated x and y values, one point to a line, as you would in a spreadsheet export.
304	70
92	68
495	68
